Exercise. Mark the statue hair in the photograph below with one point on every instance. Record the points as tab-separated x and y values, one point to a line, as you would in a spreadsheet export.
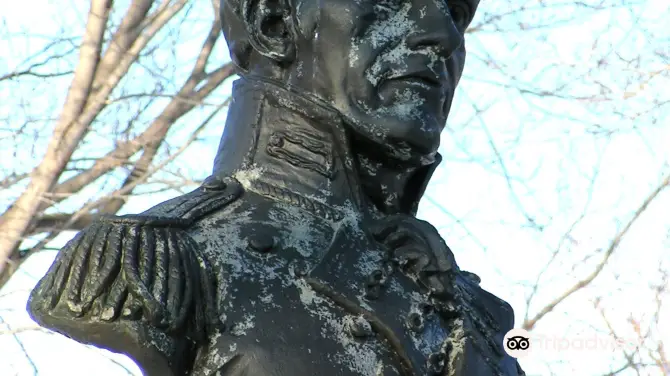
237	26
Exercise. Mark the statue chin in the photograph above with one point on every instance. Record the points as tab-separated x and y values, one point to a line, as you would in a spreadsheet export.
397	139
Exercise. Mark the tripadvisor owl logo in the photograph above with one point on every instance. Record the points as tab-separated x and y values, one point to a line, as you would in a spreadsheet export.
517	343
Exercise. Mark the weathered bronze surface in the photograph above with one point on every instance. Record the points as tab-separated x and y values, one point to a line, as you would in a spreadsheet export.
301	253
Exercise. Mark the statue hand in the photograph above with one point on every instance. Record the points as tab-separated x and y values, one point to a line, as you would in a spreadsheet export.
417	248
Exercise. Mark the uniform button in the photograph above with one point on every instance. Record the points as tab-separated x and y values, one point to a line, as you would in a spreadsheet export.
436	362
261	242
372	292
415	322
359	327
300	268
375	278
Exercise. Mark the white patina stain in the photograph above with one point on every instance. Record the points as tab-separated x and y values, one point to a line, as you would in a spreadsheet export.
248	176
241	328
298	230
396	25
223	242
457	339
406	105
368	262
359	357
313	303
431	338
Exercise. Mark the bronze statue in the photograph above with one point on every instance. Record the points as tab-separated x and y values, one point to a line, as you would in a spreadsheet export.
301	253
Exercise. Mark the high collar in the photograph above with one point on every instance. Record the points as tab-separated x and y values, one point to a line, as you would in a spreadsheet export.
281	140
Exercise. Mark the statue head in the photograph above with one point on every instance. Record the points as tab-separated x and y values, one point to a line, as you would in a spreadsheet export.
388	67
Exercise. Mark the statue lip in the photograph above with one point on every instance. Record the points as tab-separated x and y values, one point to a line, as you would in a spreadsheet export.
424	76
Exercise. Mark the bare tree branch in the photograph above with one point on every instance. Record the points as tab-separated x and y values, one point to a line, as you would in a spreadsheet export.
15	220
78	113
124	190
530	324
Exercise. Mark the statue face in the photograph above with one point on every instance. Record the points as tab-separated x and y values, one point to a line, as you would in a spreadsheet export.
390	67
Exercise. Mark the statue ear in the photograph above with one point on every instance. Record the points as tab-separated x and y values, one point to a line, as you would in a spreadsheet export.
269	25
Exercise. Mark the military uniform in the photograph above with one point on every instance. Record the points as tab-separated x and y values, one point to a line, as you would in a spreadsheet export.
258	273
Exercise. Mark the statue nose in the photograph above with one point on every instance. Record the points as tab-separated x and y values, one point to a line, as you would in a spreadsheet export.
448	39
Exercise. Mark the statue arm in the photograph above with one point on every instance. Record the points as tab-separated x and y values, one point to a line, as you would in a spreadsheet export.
138	284
135	285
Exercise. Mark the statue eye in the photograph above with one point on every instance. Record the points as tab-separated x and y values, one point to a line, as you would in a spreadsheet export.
461	13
